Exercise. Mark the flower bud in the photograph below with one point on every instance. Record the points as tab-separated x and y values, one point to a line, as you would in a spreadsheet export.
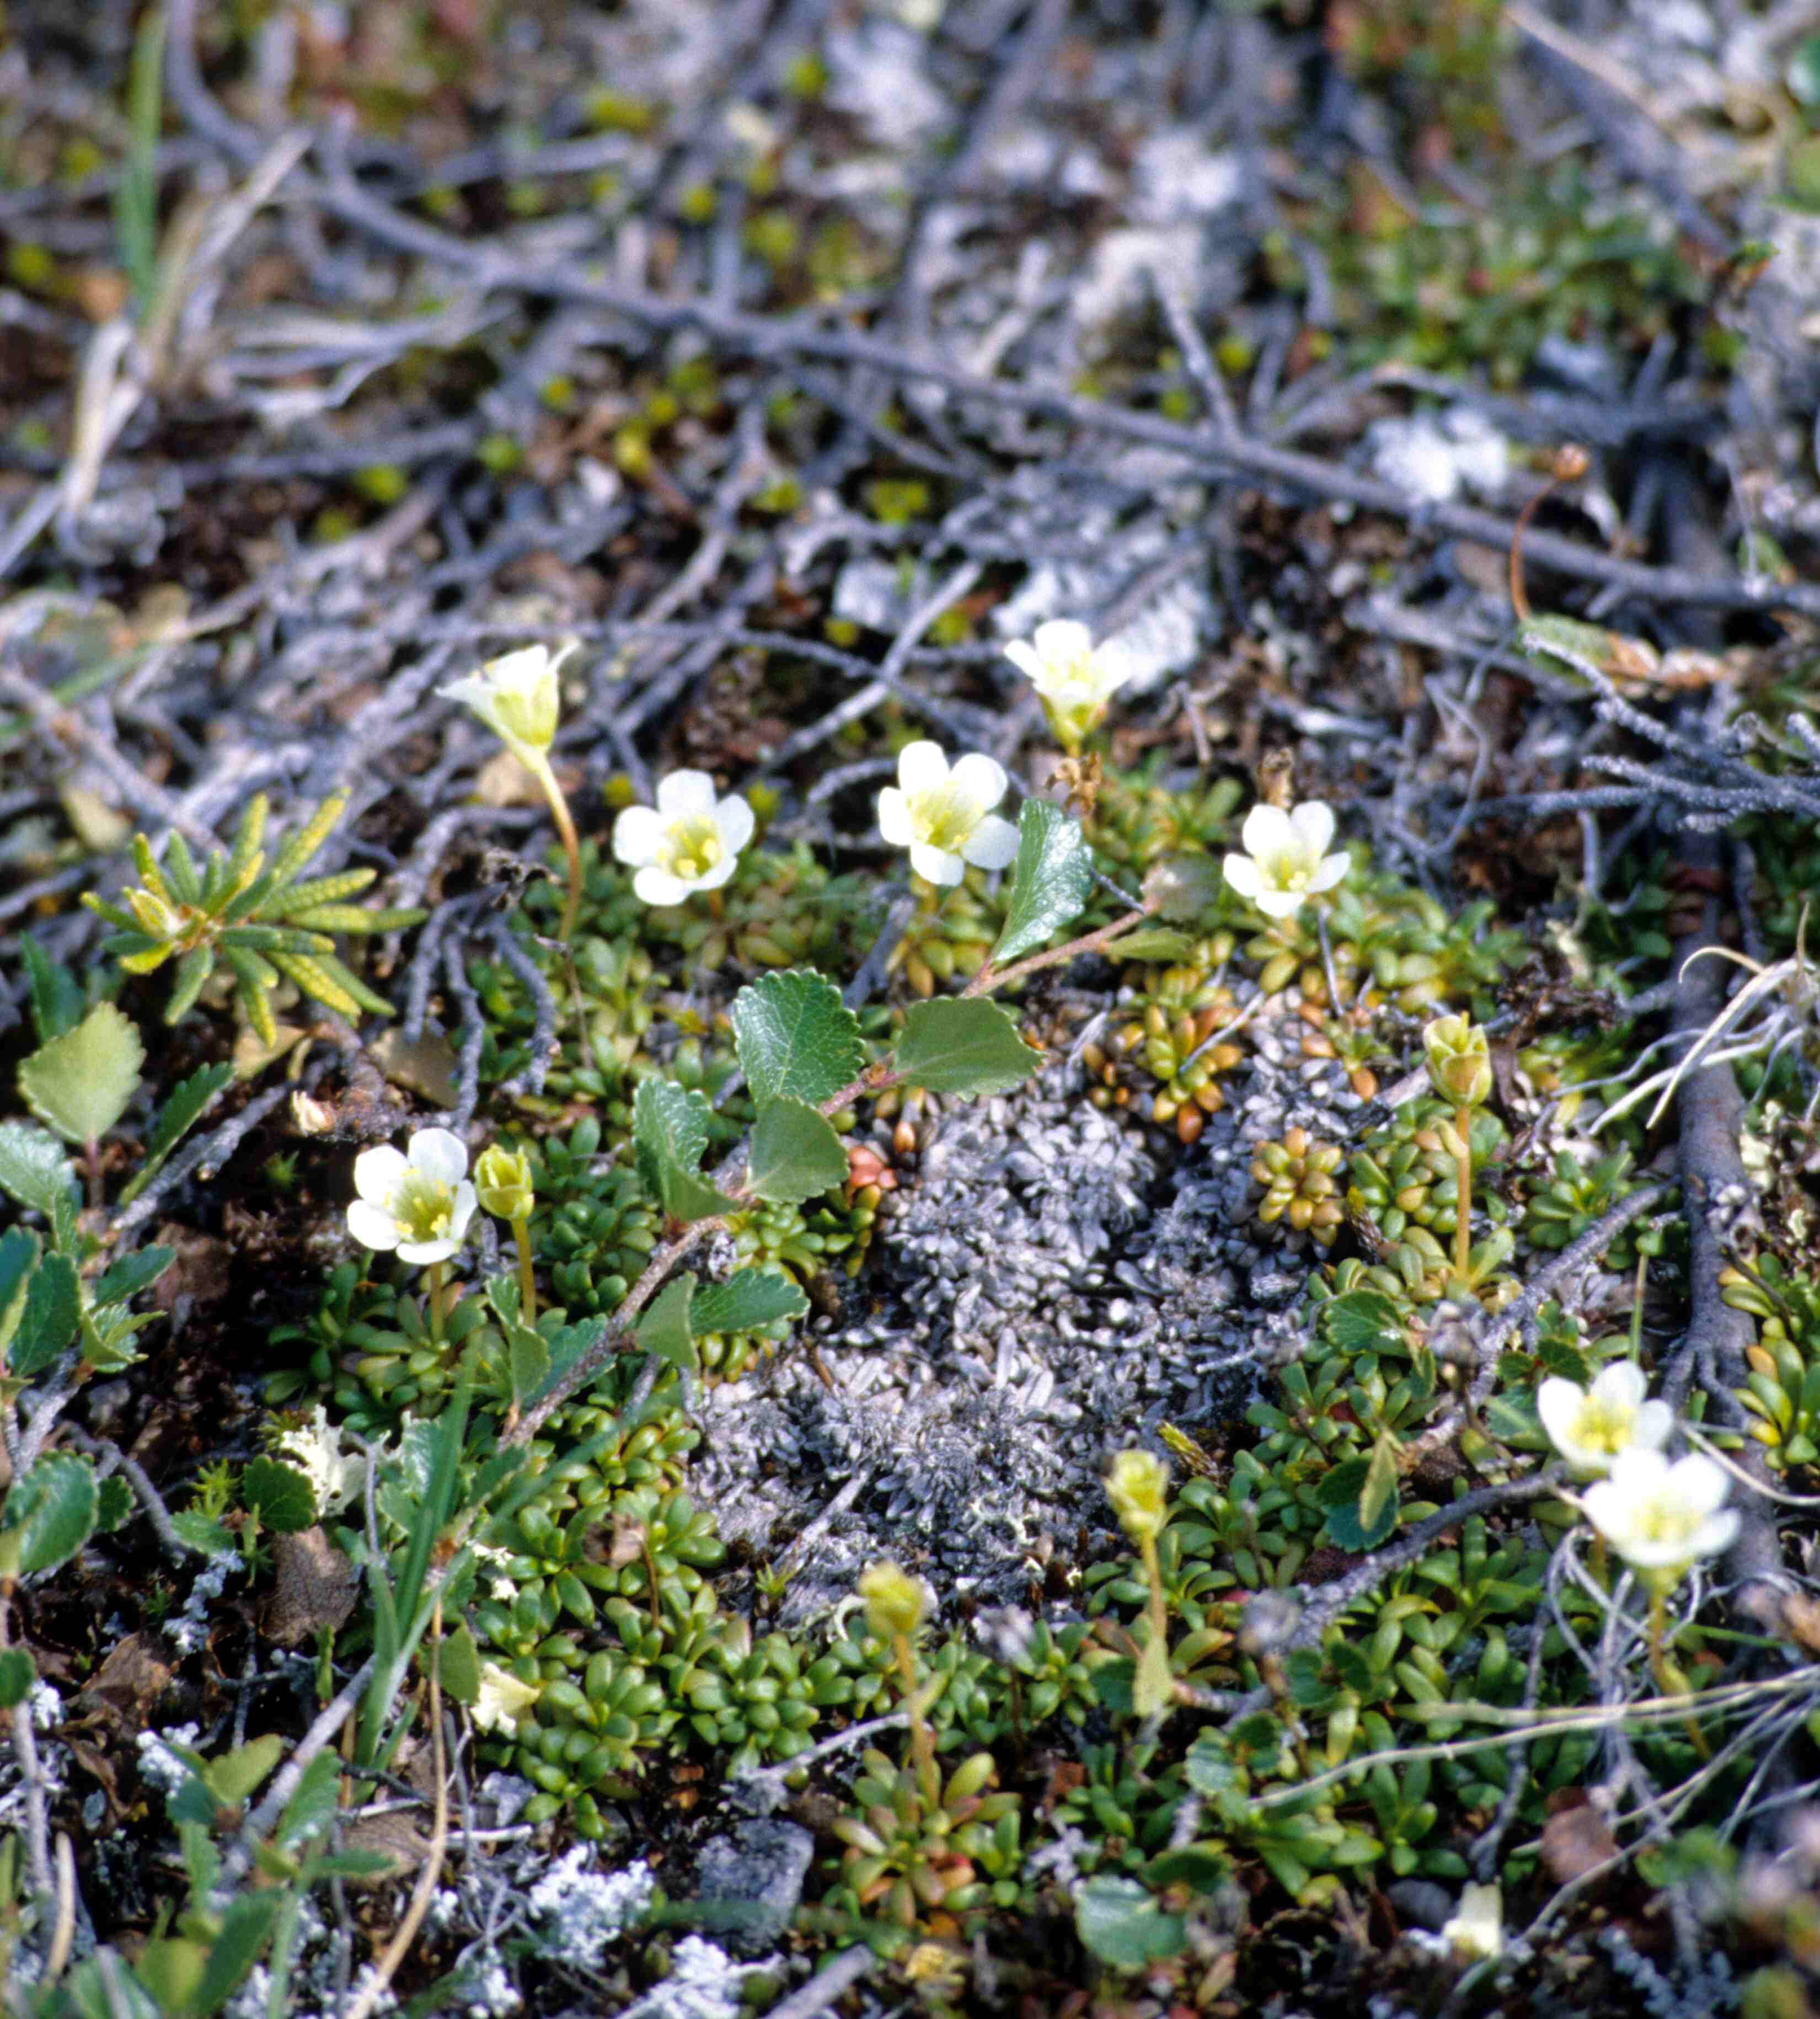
1137	1486
502	1179
1459	1061
894	1601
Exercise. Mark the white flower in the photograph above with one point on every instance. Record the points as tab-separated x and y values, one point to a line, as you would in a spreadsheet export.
518	699
1662	1518
1075	677
1590	1426
1285	861
504	1700
1478	1930
315	1448
689	841
944	818
419	1202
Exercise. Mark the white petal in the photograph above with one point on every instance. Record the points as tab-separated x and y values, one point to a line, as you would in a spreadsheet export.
992	844
686	793
1622	1383
372	1226
982	778
1654	1425
1062	638
1028	661
517	669
1280	904
735	820
1718	1533
1640	1476
377	1172
1558	1402
1697	1483
1112	665
466	1200
893	820
1313	823
936	865
1243	875
921	767
638	835
721	873
1333	870
658	886
1266	831
440	1153
472	692
420	1254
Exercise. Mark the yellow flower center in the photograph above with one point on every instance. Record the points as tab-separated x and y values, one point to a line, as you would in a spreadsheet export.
1605	1427
945	817
693	847
1288	872
424	1207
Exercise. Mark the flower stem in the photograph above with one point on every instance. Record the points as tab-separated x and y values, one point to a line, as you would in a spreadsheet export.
922	1746
527	1284
438	1302
571	847
1669	1678
1463	1216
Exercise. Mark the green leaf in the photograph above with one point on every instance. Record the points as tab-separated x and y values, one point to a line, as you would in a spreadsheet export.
47	1326
1051	879
18	1254
955	1044
795	1153
749	1297
1361	1499
314	1804
49	1515
233	1777
670	1127
1151	943
79	1084
458	1665
1362	1322
190	1100
16	1676
207	1538
1119	1921
530	1362
280	1494
245	1928
132	1273
115	1505
56	996
796	1039
664	1328
33	1168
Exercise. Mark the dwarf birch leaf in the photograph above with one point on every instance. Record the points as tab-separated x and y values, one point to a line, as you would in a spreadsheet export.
795	1154
79	1084
49	1514
1051	880
16	1676
1361	1499
748	1297
280	1494
48	1324
1119	1921
796	1038
956	1046
33	1168
669	1137
190	1100
665	1330
458	1665
18	1254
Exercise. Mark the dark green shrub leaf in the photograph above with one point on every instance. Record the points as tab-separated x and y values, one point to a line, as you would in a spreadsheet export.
114	1504
795	1153
670	1126
79	1084
33	1168
56	996
664	1328
47	1326
19	1253
748	1297
1362	1322
796	1038
49	1515
1119	1922
281	1497
190	1100
132	1273
1051	879
1360	1497
16	1676
957	1045
458	1665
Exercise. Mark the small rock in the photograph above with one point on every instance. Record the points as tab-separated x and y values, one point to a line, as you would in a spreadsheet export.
754	1877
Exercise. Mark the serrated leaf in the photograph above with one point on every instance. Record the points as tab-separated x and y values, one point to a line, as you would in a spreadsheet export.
132	1273
207	1538
56	996
190	1101
233	1777
16	1676
280	1494
1360	1497
664	1328
670	1126
1051	879
796	1038
47	1325
115	1505
49	1515
748	1297
18	1254
795	1153
245	1927
312	1807
530	1355
955	1044
1119	1921
33	1168
1362	1322
458	1665
79	1084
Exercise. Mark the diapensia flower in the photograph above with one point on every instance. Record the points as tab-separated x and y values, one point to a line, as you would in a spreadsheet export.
943	816
1660	1517
1286	861
690	841
517	697
417	1201
1592	1427
1075	677
1477	1930
504	1700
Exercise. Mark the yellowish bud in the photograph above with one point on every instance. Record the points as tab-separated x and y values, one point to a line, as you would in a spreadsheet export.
1459	1062
502	1181
894	1601
1137	1486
